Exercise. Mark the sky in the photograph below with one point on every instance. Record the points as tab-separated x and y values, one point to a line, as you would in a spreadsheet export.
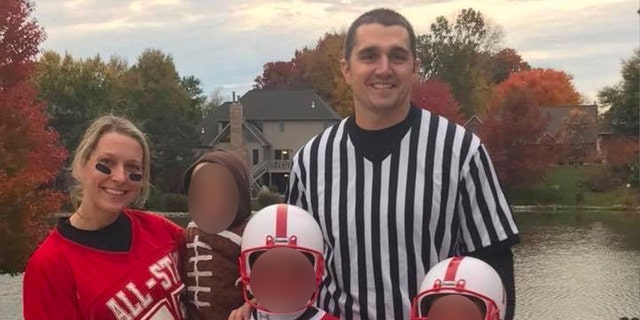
225	43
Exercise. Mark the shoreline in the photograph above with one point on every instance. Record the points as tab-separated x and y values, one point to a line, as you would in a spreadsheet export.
528	209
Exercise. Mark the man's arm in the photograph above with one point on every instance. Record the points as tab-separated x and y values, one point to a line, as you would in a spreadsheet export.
487	227
502	261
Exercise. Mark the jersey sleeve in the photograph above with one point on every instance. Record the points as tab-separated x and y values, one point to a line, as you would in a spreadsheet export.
295	193
486	221
49	289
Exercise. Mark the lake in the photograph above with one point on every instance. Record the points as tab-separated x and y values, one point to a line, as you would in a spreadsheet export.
568	266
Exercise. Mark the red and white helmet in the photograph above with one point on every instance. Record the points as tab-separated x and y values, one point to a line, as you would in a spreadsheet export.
277	226
463	276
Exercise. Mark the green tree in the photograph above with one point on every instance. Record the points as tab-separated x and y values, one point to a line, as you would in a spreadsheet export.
460	53
167	112
623	99
193	87
76	91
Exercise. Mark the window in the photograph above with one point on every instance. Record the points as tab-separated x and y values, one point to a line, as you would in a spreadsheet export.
281	126
282	154
256	156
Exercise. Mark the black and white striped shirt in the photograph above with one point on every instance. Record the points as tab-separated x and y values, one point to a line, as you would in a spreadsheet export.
392	203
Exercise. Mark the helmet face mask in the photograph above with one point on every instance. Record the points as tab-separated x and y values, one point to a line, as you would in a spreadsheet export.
423	303
281	262
471	279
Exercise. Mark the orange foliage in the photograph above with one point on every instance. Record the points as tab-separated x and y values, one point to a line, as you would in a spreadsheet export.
549	87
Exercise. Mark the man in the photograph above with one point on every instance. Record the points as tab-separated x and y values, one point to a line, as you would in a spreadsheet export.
394	188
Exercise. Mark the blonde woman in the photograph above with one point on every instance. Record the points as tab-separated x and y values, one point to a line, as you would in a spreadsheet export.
107	261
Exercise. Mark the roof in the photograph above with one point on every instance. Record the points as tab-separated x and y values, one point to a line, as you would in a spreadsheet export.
280	105
250	128
210	127
558	114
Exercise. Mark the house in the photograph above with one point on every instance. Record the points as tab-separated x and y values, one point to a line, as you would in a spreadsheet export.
274	125
582	119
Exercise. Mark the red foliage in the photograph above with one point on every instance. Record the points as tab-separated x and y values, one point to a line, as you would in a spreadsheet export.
31	152
512	132
621	150
31	159
549	87
281	75
435	96
19	40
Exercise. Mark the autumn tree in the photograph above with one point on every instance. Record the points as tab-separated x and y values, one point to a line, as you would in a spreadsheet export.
281	75
512	131
31	154
579	135
549	87
316	67
503	64
435	96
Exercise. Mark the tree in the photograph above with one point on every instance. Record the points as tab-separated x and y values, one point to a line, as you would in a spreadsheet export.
193	88
281	75
31	154
578	135
623	98
214	100
317	68
321	66
20	36
435	96
549	87
505	63
76	91
165	111
512	131
456	53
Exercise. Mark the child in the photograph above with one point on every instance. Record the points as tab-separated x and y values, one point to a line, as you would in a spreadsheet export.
217	187
460	288
281	264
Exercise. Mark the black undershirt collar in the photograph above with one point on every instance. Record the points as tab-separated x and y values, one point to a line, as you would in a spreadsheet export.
115	237
377	145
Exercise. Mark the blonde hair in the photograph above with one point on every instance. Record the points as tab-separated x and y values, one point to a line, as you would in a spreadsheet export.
99	127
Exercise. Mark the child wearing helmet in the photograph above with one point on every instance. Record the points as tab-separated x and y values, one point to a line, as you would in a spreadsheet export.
281	264
217	187
460	288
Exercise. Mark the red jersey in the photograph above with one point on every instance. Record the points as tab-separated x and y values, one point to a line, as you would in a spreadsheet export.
66	280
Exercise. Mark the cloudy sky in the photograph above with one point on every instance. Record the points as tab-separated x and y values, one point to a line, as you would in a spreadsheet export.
225	43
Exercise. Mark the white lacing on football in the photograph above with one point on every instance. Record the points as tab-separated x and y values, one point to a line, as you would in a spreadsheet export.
196	274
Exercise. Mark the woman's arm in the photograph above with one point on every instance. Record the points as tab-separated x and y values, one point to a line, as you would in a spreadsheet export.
49	289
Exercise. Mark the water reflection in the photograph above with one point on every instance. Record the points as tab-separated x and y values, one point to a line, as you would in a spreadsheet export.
578	266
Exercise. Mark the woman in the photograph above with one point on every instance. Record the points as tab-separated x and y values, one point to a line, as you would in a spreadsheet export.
107	261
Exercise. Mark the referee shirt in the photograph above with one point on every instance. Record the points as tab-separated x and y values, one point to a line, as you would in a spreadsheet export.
394	202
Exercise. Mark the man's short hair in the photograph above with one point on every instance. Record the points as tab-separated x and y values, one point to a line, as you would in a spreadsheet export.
383	16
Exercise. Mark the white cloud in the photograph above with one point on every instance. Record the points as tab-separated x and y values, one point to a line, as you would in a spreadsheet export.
225	43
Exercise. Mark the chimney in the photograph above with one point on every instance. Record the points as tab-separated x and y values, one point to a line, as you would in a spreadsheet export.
236	119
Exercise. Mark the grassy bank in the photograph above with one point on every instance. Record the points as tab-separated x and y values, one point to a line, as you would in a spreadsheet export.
562	184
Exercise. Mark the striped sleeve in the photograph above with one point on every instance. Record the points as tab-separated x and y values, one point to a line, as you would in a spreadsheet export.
486	220
295	193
